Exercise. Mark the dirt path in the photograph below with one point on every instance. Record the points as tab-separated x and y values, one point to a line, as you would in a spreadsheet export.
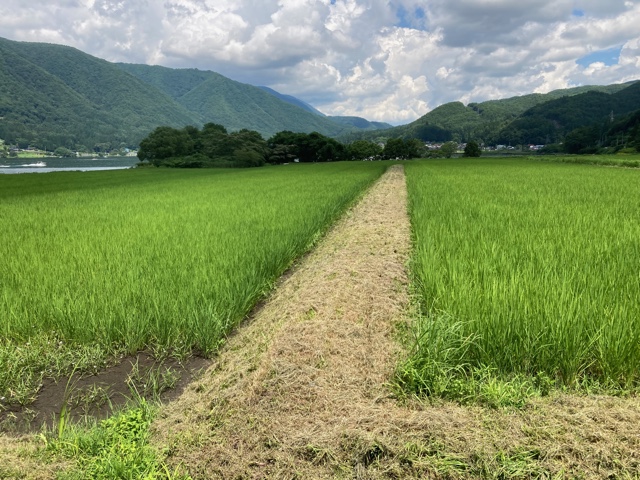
301	390
311	367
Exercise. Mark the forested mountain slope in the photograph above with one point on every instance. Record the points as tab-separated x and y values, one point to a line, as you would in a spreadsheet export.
236	105
58	96
486	120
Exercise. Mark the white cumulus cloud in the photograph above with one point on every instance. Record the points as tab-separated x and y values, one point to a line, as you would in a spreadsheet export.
386	60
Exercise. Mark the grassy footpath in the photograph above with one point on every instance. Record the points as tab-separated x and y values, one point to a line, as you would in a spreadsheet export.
527	272
162	259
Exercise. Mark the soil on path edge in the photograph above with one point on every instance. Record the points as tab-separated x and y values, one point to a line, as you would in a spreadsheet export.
301	389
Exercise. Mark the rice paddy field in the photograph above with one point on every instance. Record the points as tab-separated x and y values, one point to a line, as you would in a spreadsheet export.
524	269
524	277
168	260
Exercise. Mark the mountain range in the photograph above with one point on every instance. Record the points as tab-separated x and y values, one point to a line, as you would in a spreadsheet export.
534	118
53	95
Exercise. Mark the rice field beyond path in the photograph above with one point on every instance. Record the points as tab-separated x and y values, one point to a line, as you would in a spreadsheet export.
526	268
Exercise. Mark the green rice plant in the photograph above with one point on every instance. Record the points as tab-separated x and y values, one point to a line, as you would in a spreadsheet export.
24	364
152	258
535	268
153	381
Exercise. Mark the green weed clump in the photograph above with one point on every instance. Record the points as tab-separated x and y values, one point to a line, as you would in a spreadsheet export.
162	259
117	447
526	272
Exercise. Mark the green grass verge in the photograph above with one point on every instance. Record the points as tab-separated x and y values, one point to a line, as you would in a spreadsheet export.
527	277
618	160
114	448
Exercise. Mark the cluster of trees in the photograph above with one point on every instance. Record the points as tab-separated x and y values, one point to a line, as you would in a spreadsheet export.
313	147
472	149
286	146
213	146
400	148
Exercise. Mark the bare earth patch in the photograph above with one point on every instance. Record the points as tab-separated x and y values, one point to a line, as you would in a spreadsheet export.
97	395
301	389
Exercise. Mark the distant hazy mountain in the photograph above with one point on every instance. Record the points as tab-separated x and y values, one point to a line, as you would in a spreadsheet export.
360	123
357	123
293	101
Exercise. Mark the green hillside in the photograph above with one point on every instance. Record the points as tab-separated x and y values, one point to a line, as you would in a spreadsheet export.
481	121
174	82
551	121
235	105
54	95
36	107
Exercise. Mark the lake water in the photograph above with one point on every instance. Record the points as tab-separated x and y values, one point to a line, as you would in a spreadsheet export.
54	164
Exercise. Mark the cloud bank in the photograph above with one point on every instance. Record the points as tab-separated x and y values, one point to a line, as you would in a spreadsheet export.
391	60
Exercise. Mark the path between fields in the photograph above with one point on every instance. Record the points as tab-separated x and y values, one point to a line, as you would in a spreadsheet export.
301	389
312	366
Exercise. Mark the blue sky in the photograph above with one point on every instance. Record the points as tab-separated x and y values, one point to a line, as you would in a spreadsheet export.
609	57
385	60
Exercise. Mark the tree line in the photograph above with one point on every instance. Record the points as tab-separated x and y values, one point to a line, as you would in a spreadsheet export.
214	146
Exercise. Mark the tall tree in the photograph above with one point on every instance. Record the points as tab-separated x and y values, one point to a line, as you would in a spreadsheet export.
472	149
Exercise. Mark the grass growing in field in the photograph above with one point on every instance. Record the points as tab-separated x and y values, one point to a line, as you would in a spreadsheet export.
524	270
169	259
